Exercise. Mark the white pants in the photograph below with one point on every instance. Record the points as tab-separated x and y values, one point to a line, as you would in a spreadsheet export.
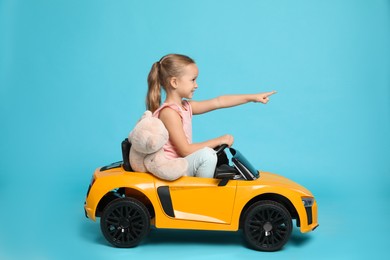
202	163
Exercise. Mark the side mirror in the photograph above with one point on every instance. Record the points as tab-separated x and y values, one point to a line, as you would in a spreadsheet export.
224	177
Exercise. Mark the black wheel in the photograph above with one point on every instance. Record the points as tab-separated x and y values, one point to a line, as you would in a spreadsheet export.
267	226
125	222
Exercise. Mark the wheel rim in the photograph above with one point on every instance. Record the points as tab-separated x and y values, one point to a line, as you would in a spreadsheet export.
268	228
125	225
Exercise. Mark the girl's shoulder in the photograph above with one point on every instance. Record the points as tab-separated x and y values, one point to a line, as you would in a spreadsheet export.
167	105
181	110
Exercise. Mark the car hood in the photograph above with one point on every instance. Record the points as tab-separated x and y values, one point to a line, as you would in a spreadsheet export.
267	178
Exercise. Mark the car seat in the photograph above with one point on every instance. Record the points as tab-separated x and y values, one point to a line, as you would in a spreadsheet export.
126	145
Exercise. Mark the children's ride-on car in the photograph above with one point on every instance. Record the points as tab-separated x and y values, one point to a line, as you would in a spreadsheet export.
262	204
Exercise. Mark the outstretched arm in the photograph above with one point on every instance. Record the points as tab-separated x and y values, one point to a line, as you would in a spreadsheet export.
200	107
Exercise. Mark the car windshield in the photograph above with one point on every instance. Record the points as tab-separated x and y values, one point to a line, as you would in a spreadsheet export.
241	158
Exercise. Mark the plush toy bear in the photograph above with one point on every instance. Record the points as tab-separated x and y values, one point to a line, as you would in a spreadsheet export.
146	153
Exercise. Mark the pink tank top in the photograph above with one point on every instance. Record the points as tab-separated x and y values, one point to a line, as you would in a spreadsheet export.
185	113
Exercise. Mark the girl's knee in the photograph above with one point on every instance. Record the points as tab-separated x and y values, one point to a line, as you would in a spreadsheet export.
202	163
207	163
209	154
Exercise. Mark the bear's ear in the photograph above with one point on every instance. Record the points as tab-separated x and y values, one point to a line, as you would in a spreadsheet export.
146	114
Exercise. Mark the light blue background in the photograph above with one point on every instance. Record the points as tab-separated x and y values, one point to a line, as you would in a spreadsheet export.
73	84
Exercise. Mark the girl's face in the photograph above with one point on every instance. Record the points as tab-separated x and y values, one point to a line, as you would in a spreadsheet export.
186	83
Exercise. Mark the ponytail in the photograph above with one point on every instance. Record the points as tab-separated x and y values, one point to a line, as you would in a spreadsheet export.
153	97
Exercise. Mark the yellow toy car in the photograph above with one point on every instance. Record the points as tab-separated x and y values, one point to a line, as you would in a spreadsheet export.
262	204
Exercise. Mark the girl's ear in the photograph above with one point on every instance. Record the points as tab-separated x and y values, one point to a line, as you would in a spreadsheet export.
173	82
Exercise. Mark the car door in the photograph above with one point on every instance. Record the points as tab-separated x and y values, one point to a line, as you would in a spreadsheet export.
197	199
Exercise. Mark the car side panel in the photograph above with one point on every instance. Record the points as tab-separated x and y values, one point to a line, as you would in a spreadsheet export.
196	199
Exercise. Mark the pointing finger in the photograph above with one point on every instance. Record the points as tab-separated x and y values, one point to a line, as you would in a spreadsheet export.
267	94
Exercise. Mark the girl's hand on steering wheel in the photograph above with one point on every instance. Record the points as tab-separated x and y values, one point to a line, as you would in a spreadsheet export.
226	139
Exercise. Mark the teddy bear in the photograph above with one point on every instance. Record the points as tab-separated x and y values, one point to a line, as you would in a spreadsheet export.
146	153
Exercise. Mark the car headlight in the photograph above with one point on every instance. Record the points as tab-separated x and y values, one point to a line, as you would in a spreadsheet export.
308	202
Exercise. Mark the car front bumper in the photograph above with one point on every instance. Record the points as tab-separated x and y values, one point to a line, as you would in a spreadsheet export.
309	222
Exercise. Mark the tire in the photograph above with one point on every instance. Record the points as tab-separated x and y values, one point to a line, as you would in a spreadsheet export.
125	222
267	226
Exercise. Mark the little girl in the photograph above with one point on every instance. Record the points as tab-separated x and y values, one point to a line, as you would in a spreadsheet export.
177	74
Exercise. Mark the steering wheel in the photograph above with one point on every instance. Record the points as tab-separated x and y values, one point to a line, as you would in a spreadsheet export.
219	149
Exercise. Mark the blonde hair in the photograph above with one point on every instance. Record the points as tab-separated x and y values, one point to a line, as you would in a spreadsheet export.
160	74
